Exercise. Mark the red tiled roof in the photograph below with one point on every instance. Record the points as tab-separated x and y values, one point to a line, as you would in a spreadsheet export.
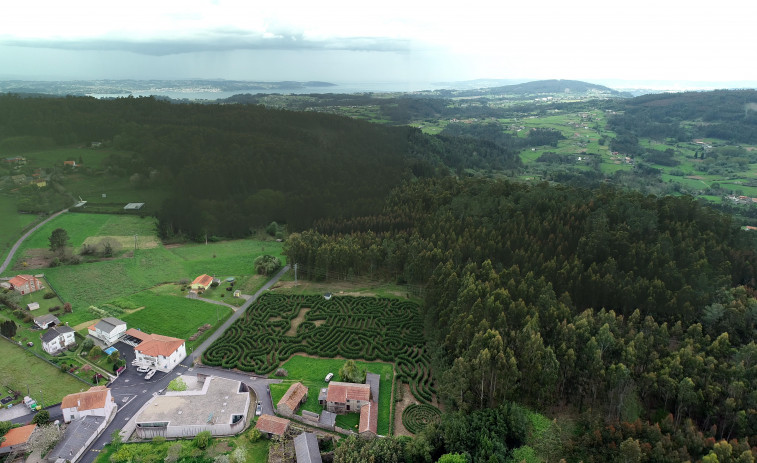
341	392
19	280
92	399
293	396
141	335
156	344
204	280
18	436
272	424
369	418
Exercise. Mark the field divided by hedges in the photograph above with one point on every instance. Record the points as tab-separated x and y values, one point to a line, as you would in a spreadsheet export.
365	328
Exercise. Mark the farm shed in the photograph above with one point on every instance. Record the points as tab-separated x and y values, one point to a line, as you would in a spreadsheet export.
306	448
45	321
32	306
214	404
270	425
295	396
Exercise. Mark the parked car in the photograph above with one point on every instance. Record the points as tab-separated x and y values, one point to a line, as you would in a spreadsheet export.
142	369
329	376
258	409
150	374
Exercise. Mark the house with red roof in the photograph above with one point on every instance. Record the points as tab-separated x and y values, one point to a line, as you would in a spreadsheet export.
345	397
202	282
96	401
158	352
17	439
25	284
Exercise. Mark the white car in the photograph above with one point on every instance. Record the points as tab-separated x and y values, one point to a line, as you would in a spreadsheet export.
329	376
142	369
258	409
150	374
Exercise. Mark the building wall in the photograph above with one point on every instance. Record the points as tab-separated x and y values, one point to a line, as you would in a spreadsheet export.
59	343
189	431
164	364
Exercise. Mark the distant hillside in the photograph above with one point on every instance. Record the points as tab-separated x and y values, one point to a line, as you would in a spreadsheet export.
552	86
725	114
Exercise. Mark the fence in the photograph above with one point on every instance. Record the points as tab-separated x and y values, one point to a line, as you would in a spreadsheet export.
46	360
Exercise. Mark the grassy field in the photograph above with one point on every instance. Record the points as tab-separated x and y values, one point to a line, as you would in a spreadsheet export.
312	371
21	370
12	224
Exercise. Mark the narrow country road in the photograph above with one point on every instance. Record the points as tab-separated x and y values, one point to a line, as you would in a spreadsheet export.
26	235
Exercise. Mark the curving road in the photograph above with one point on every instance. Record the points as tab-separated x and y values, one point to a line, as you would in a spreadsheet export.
26	235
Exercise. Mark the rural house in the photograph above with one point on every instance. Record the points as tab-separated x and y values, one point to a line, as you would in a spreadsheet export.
96	401
202	282
108	330
345	397
270	425
210	403
17	439
47	320
25	284
58	338
295	396
306	448
158	352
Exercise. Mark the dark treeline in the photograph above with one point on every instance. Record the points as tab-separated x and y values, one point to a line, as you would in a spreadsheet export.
726	114
233	167
635	310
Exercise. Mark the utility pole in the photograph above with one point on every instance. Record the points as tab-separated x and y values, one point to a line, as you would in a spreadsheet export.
135	245
295	273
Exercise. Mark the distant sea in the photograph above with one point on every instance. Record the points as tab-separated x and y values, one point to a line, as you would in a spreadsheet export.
178	93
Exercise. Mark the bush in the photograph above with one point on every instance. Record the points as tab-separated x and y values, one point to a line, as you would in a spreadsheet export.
41	418
254	435
67	307
54	309
87	344
282	372
49	295
202	440
177	384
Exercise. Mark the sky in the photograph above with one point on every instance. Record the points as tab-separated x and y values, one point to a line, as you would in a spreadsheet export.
388	41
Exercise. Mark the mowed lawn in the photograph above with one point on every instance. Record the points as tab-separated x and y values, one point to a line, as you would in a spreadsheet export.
22	371
312	371
174	316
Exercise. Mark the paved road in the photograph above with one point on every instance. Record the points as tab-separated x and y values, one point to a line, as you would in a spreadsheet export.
26	235
131	391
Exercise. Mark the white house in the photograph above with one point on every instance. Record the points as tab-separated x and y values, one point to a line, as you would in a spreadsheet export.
108	330
57	338
159	352
97	401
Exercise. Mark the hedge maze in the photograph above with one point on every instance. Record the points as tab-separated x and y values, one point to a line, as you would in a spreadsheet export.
352	327
416	417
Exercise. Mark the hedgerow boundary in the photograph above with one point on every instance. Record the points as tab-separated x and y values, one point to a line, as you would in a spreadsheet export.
367	328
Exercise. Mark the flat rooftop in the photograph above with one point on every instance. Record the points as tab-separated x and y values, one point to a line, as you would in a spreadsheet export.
216	403
133	206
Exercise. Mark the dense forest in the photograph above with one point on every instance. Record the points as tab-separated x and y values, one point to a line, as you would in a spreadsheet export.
635	311
233	167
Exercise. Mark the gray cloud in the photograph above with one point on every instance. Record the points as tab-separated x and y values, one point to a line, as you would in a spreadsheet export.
214	41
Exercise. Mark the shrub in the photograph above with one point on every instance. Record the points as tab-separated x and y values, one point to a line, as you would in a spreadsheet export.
177	384
87	344
282	372
41	418
54	309
202	440
67	307
158	440
49	295
254	435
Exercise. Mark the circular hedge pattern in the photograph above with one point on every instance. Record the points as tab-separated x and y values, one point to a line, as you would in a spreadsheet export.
369	328
416	417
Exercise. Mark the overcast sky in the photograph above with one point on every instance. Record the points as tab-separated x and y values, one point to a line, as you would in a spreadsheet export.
387	40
